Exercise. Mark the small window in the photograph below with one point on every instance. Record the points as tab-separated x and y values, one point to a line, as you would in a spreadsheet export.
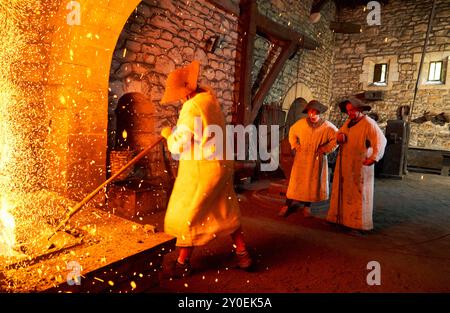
380	74
435	72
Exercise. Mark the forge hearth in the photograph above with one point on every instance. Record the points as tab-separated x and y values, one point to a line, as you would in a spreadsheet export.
113	254
145	188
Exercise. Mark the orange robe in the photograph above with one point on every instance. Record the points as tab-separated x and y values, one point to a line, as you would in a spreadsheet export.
203	204
352	192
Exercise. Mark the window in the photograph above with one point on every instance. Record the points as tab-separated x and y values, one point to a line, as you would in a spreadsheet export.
435	71
380	74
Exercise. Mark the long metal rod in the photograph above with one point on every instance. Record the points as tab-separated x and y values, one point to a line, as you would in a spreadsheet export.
424	51
80	204
340	190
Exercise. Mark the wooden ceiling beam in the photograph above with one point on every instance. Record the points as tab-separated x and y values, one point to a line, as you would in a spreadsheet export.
248	11
286	52
226	5
316	8
274	31
345	28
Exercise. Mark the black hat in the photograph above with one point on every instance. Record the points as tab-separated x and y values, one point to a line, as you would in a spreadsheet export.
314	104
355	102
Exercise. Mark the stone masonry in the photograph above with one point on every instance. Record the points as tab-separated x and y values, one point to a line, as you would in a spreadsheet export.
161	36
399	41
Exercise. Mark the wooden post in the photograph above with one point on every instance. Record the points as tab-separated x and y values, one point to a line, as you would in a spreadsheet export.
248	11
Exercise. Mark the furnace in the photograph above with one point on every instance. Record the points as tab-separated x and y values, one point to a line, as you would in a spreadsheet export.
98	252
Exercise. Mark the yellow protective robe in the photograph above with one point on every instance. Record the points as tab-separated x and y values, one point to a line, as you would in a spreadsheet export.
309	175
203	203
352	192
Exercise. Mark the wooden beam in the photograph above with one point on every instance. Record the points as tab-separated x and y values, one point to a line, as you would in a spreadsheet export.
252	23
345	28
318	6
286	52
248	34
270	29
226	5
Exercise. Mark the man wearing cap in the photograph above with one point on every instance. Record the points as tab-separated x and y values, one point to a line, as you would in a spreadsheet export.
312	138
362	144
203	204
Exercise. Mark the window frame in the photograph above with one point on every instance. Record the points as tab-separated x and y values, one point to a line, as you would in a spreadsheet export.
440	80
386	72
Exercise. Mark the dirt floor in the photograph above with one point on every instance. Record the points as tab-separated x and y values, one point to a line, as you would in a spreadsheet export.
411	242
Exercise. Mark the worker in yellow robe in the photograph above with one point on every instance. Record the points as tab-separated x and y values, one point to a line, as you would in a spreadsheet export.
361	145
312	138
203	204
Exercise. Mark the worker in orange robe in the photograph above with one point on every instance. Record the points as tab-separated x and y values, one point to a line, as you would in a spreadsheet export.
203	204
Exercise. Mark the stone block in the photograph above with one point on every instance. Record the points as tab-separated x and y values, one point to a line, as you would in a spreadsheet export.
133	46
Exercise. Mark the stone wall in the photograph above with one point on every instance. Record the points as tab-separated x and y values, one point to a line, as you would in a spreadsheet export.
161	36
157	40
398	41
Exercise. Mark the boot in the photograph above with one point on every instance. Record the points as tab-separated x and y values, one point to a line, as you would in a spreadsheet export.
285	211
178	270
307	212
244	260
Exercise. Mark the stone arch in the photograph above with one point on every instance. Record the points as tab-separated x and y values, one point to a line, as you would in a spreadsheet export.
294	102
77	93
297	90
133	115
294	114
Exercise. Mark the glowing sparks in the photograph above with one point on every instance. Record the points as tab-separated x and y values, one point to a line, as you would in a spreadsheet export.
23	164
124	134
133	285
7	226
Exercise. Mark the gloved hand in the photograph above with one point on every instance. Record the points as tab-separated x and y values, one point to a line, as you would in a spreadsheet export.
166	131
368	162
341	138
321	150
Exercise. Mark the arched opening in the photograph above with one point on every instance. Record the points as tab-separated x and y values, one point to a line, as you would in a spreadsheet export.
293	104
294	114
155	40
145	187
77	95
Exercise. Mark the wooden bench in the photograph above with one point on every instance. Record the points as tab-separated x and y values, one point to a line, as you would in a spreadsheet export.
429	160
445	171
